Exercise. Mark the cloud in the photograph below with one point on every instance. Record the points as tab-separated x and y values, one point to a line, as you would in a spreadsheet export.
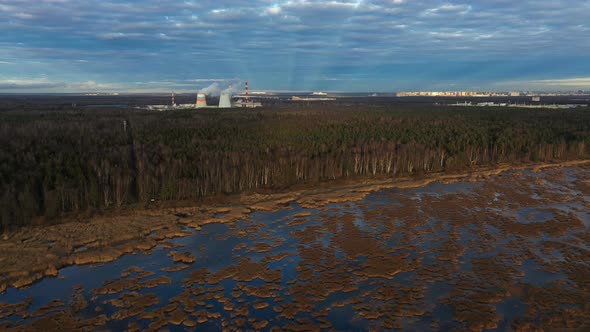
90	86
437	34
273	10
338	79
23	16
211	79
289	43
44	83
449	8
560	84
581	81
29	84
119	35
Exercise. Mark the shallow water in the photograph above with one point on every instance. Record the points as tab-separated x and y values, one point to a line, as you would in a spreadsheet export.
440	257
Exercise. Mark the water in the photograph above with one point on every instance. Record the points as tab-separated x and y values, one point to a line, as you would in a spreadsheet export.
410	259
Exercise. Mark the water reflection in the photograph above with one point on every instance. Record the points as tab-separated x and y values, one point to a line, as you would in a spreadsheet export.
441	257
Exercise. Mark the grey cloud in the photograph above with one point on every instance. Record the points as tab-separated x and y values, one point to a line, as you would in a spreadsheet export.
31	86
243	35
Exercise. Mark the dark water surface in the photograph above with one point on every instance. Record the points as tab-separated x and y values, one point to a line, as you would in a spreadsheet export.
492	255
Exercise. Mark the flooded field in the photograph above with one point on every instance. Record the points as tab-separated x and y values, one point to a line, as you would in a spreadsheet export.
509	252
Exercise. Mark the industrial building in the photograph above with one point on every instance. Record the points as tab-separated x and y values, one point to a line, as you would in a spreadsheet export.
297	98
493	104
245	102
225	101
449	94
172	106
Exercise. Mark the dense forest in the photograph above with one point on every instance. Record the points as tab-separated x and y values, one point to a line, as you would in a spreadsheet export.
58	161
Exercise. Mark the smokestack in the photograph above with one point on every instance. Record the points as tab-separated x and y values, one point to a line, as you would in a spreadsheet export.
173	102
247	91
201	101
225	100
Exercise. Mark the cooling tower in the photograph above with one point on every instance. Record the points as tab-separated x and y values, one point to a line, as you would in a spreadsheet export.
225	100
201	101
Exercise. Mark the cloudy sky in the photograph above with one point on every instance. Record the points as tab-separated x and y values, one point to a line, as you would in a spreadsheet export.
337	45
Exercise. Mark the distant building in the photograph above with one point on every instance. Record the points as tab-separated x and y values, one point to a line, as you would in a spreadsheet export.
297	98
536	99
448	94
246	104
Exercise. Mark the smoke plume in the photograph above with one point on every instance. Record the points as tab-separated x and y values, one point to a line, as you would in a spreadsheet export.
235	88
212	90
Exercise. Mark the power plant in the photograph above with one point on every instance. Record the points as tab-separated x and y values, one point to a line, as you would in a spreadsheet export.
225	100
201	100
245	101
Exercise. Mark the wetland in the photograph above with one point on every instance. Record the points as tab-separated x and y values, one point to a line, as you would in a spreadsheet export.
490	250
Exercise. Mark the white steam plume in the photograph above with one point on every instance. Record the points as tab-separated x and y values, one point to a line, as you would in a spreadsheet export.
212	90
235	88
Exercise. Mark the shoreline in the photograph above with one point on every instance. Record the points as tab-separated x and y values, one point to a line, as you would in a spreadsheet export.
32	253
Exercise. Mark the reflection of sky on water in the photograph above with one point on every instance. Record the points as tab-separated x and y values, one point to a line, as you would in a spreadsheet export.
218	246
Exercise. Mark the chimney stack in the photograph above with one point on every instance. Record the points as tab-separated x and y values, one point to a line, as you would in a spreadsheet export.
247	99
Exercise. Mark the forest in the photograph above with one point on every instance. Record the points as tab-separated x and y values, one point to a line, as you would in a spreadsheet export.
57	161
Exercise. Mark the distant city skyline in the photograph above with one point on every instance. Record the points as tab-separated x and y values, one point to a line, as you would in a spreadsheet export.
122	46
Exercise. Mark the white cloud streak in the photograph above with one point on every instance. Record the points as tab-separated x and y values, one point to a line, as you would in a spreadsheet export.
559	83
160	40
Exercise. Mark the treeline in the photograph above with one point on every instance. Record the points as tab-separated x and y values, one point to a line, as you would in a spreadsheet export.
56	162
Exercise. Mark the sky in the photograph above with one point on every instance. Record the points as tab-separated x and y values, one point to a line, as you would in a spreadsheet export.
294	45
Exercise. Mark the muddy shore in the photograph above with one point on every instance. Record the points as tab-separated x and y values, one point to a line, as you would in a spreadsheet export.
32	253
